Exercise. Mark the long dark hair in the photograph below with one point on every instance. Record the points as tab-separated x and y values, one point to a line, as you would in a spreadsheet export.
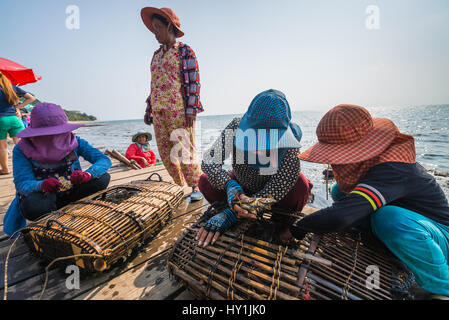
165	22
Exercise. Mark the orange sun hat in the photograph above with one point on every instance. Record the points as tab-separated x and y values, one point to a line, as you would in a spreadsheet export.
148	12
348	134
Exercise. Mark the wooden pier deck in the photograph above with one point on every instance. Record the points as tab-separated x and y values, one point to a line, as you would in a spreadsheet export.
145	276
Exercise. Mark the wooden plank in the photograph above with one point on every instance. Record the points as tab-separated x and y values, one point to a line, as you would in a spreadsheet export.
3	235
19	248
130	281
150	281
20	268
185	295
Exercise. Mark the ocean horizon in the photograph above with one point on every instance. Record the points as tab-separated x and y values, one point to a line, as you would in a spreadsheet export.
429	125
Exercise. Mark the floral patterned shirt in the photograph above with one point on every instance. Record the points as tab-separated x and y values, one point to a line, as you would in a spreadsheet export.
175	81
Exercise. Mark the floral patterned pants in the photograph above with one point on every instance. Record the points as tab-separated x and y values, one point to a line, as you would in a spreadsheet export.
176	145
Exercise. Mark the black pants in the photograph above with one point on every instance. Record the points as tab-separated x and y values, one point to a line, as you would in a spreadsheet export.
36	204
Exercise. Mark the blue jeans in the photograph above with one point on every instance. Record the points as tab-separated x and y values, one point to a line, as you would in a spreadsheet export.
36	204
421	243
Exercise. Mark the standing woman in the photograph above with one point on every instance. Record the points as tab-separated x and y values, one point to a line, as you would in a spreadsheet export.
10	123
174	100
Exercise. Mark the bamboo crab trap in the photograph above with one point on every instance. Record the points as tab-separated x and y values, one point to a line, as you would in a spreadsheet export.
103	228
248	262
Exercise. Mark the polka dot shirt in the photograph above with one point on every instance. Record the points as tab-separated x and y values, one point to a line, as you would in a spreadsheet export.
255	183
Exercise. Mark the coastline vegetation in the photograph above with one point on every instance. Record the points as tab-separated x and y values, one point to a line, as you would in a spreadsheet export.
72	114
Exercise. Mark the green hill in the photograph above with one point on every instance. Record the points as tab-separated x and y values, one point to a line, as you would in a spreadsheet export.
78	116
73	115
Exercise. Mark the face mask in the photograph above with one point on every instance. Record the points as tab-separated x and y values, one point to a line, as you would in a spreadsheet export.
270	159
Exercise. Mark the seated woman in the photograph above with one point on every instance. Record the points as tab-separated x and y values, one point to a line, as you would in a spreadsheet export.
265	147
140	150
381	188
46	167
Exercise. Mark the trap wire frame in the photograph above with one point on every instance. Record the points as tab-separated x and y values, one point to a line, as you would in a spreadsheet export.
242	265
108	225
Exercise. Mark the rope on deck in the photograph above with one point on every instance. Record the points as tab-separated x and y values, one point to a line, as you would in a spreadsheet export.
5	293
60	259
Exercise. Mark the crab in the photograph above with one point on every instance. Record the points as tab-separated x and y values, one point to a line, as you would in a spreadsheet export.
256	206
66	184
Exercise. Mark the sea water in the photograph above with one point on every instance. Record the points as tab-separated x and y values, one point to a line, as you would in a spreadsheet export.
429	125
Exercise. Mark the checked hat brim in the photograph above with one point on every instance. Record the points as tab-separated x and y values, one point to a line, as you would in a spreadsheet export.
147	15
137	135
371	145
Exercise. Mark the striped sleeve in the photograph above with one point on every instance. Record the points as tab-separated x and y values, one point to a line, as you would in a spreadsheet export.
371	194
381	186
191	80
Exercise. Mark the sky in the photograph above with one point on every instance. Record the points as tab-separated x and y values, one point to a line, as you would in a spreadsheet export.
320	53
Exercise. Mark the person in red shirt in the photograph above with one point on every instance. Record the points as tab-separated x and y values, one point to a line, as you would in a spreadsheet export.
140	150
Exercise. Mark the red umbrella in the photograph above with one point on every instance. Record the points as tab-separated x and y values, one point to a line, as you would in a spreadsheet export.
16	73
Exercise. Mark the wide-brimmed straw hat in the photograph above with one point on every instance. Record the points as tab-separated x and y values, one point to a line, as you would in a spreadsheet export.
137	135
48	119
148	12
267	124
348	134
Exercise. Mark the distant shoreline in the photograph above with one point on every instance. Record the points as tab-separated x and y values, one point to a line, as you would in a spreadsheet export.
86	121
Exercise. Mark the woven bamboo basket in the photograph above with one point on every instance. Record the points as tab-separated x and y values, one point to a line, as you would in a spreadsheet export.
249	262
107	226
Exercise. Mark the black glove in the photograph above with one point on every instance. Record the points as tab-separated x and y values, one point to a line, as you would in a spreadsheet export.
148	118
297	232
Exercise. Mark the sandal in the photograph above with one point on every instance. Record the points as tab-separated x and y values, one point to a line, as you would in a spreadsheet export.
4	173
196	196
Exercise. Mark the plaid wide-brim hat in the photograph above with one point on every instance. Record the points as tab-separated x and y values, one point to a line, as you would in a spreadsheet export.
267	124
147	16
348	134
137	135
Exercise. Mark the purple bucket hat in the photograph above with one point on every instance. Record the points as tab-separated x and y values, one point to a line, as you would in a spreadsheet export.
48	119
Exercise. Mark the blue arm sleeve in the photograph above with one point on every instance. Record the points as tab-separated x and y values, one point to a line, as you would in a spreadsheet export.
24	178
100	162
336	193
233	188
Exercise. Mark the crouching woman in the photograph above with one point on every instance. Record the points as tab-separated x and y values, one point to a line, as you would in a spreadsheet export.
47	170
383	190
264	144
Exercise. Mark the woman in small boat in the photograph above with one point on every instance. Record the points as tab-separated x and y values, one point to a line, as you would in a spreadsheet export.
174	101
140	150
265	147
10	123
381	188
47	170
